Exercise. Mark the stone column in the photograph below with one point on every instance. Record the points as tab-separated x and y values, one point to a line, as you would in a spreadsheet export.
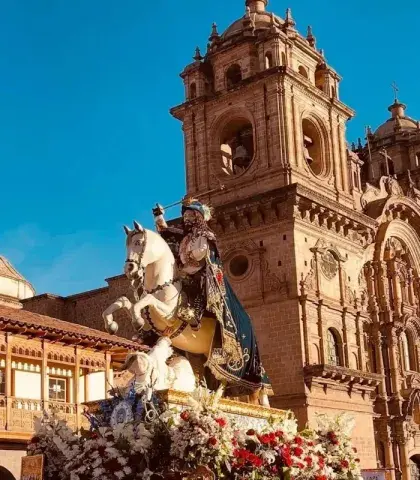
405	461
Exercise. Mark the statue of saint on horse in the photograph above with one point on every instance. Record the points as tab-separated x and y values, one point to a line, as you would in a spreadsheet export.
180	292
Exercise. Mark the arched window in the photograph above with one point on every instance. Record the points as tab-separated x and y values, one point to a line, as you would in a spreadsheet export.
333	347
303	71
193	91
233	75
236	146
268	60
312	147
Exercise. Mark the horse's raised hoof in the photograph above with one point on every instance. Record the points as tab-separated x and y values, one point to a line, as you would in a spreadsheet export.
112	328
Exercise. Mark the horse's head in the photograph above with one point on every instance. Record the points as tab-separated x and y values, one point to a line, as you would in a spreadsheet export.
144	247
136	248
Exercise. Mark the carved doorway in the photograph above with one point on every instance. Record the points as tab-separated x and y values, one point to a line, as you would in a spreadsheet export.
415	467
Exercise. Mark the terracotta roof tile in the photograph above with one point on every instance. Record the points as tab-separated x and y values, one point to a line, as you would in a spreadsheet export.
33	321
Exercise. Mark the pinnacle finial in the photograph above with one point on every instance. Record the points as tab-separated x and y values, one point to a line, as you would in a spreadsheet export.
214	33
289	21
310	37
198	57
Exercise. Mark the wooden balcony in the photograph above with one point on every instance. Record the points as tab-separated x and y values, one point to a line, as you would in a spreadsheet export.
17	416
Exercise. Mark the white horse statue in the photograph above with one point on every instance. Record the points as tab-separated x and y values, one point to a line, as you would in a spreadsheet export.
152	371
151	268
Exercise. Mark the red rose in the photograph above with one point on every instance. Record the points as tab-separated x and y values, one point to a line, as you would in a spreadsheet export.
297	451
320	477
299	441
185	416
279	433
321	462
344	464
285	455
308	461
301	465
212	441
265	439
219	277
310	444
221	422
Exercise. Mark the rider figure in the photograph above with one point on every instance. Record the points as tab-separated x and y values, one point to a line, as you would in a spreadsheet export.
191	246
234	357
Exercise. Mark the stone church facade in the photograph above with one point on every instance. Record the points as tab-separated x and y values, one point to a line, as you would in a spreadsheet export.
320	241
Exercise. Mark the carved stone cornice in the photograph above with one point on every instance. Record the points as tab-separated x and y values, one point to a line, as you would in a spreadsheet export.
299	202
329	374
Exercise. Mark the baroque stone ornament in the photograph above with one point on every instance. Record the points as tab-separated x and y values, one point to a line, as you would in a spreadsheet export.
329	265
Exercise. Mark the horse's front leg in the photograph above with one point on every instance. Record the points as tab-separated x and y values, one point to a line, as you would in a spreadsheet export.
111	326
148	300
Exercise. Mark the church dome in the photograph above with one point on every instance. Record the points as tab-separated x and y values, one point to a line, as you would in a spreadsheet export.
13	286
398	121
261	20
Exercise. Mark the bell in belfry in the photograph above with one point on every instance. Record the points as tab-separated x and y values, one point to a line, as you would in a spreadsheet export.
307	142
240	159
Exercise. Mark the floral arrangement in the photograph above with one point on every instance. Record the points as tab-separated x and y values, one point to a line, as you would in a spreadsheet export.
175	443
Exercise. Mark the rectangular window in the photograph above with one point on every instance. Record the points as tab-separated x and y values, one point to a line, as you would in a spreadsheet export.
57	389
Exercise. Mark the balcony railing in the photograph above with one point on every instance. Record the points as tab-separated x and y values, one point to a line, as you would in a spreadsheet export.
18	414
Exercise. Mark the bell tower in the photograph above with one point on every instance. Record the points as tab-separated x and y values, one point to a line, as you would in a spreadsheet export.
262	117
262	111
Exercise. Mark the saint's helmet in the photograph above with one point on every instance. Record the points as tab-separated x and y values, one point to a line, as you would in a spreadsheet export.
195	205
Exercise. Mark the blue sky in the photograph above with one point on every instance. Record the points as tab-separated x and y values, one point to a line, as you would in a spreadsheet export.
85	89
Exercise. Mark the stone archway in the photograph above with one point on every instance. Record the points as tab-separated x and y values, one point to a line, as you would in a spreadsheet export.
6	474
415	467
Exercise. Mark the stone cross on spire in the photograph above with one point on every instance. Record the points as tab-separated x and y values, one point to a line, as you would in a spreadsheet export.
396	90
387	158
